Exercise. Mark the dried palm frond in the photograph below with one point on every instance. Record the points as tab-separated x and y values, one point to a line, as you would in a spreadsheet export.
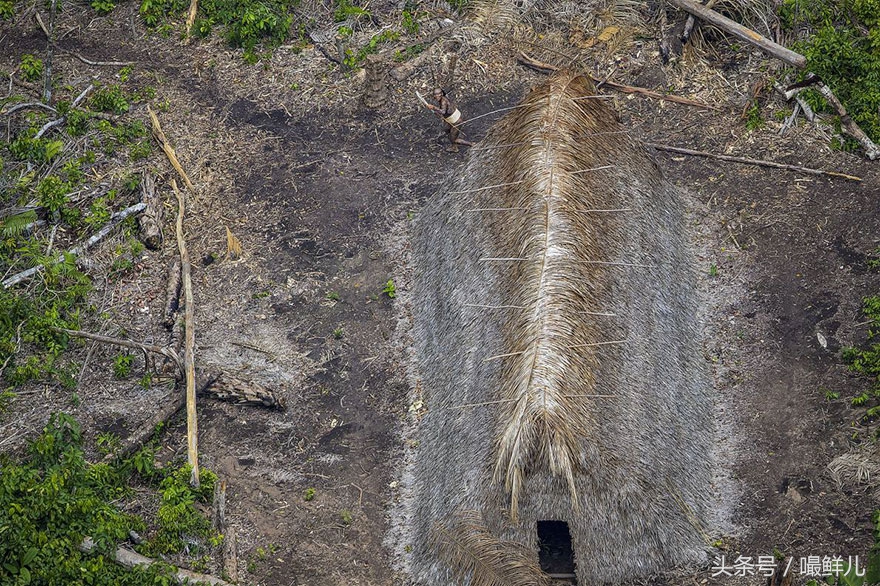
494	15
233	245
854	470
478	558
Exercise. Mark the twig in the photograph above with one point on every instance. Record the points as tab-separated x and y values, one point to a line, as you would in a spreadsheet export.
533	63
741	32
872	151
130	559
101	63
162	351
189	344
748	161
76	250
63	119
169	150
24	105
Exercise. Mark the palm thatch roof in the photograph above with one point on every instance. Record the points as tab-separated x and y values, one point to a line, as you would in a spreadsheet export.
557	342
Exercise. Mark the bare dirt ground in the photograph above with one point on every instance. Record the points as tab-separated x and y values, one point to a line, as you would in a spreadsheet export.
320	192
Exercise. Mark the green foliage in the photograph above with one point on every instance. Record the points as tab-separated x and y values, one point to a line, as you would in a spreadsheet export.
50	502
354	58
35	150
866	361
409	52
389	289
111	99
845	52
754	120
103	6
31	67
156	11
178	518
410	21
7	9
14	225
54	498
345	10
309	494
52	193
122	365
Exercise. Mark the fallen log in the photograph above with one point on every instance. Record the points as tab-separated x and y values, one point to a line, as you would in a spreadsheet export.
225	387
77	250
151	219
189	342
132	559
748	161
741	32
167	409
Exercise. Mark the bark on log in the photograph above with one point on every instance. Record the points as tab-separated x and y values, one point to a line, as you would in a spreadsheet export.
225	387
741	32
167	409
131	559
169	150
151	219
172	295
375	94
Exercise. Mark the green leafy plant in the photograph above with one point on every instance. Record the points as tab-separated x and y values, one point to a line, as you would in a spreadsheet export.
389	289
103	6
111	99
7	9
31	67
309	494
122	364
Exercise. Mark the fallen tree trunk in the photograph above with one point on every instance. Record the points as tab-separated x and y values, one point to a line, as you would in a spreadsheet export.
151	219
172	295
225	387
131	559
192	425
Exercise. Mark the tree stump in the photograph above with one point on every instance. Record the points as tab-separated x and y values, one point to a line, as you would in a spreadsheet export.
375	82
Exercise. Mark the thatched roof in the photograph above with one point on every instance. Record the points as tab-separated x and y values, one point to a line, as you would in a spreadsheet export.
557	343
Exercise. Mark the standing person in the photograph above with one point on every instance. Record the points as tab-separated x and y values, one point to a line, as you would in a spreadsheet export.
451	117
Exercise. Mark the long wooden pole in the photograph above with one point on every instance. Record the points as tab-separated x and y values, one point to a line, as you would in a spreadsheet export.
192	426
741	32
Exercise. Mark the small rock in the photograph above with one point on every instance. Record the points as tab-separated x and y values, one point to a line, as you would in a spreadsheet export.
246	460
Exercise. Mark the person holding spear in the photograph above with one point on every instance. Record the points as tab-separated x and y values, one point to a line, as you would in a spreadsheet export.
451	116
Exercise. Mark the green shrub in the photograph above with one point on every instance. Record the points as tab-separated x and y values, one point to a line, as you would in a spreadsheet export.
7	9
103	6
53	499
845	56
31	67
110	99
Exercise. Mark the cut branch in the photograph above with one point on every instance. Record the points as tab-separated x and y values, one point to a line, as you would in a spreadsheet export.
130	559
748	161
172	295
191	18
167	409
741	32
160	350
189	343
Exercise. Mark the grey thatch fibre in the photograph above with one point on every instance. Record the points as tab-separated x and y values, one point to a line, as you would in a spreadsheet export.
556	339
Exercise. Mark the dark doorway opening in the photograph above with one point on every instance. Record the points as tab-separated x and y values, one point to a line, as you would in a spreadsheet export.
555	552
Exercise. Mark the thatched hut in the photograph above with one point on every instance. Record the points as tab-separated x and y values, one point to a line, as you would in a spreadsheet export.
568	422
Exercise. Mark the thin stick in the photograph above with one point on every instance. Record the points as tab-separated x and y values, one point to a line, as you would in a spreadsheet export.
495	306
573	346
617	264
47	80
189	344
500	258
605	211
101	63
495	209
741	32
499	356
484	403
747	161
169	150
591	169
606	314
